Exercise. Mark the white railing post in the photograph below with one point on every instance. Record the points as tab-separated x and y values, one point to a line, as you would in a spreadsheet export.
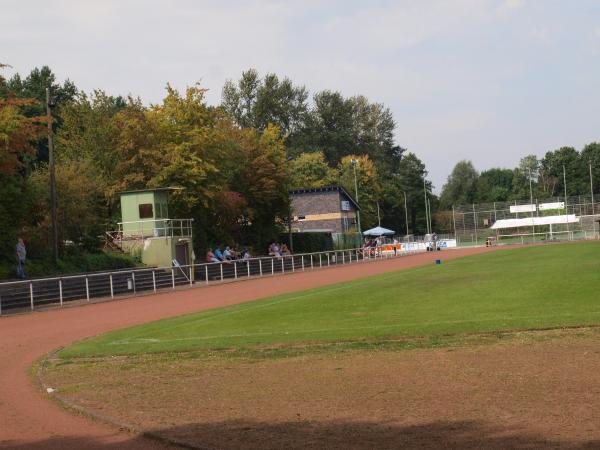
311	261
302	263
272	266
87	289
283	264
293	269
343	257
320	262
260	266
112	292
60	296
173	276
206	273
154	281
31	294
133	281
191	275
235	270
248	267
328	262
221	266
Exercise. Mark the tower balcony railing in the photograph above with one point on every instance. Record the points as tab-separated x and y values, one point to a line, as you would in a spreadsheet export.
151	228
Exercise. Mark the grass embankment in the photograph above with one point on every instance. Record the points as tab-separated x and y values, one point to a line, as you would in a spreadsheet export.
69	264
525	288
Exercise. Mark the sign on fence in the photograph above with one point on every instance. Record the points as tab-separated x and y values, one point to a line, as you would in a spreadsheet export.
555	205
522	208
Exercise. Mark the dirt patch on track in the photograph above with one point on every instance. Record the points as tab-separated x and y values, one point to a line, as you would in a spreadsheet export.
532	390
28	420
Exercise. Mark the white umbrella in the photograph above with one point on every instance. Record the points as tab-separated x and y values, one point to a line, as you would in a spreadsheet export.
378	231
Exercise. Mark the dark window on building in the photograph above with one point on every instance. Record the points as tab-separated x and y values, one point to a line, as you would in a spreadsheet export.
146	211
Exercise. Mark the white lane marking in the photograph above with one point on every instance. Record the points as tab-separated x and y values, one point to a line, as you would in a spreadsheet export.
373	327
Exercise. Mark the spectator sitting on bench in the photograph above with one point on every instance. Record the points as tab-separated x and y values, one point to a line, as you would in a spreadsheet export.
210	256
219	253
228	254
285	251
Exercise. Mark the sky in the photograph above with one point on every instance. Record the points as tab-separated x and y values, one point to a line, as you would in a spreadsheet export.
484	80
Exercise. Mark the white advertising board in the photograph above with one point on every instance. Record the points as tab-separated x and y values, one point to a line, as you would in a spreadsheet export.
522	208
555	205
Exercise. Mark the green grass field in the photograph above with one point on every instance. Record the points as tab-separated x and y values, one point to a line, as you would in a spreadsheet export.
514	289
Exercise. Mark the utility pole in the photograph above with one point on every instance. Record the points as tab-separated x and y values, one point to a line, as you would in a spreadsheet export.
378	216
49	106
406	213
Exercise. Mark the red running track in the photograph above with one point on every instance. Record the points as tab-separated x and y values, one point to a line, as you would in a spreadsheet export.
29	420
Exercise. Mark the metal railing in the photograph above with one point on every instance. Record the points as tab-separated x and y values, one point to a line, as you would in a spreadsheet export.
155	228
17	296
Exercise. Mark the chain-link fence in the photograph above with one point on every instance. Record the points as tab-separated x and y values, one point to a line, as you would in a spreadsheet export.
472	224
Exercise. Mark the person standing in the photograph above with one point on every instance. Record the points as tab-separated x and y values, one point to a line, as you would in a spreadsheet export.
21	254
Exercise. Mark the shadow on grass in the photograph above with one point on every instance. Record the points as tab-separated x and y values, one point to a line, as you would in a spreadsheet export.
463	435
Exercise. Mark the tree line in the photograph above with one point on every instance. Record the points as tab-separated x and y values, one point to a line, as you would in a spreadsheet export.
236	161
465	185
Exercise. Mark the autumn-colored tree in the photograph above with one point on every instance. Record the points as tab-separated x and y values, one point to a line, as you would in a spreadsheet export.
310	170
18	135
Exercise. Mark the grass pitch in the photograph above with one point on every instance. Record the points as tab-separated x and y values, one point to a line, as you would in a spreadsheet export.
514	289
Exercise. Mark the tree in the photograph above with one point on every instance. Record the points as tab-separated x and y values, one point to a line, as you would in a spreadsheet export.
494	185
461	187
310	170
82	210
33	87
255	103
528	170
551	172
369	187
18	135
340	126
411	178
591	155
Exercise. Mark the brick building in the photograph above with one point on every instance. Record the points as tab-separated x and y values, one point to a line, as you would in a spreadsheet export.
327	209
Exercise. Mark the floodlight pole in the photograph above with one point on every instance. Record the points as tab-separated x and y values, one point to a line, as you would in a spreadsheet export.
406	212
592	189
531	203
426	208
353	162
52	176
566	201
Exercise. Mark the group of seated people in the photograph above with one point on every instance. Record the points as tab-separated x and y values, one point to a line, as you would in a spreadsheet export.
227	255
371	246
279	250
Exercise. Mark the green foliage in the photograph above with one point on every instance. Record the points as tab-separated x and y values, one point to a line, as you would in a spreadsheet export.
73	261
500	291
461	187
255	103
494	185
369	187
345	241
310	170
308	242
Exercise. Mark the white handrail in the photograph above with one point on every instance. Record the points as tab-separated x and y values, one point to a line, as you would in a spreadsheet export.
197	270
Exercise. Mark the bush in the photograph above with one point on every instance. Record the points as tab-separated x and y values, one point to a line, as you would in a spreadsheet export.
70	263
309	242
345	241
